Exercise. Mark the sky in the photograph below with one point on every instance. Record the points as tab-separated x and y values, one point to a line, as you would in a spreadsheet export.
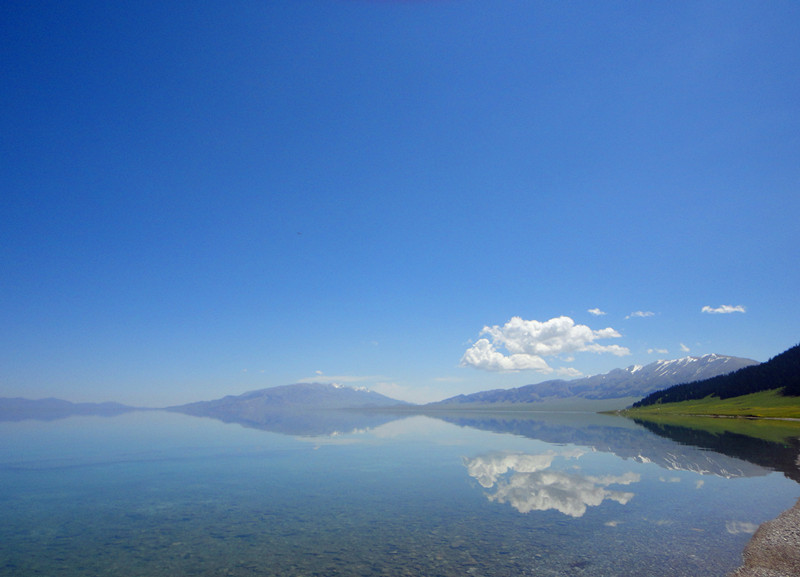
422	198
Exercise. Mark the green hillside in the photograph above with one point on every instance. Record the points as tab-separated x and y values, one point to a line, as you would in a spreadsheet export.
781	375
764	404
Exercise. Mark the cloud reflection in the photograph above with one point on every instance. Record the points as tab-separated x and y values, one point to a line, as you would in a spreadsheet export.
524	482
736	527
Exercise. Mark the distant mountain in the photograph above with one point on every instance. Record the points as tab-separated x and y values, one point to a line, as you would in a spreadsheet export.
299	409
300	396
633	381
780	372
306	422
19	409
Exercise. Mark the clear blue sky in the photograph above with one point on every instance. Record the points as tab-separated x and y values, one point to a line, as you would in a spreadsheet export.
205	198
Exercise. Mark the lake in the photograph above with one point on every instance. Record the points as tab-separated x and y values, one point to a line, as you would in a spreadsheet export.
563	494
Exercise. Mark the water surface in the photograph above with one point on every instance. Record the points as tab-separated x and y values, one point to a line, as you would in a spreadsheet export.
155	493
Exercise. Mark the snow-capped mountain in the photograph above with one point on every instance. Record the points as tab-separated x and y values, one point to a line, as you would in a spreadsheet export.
286	397
299	409
633	381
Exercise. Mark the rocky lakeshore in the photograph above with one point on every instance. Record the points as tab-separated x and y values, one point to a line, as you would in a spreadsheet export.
774	550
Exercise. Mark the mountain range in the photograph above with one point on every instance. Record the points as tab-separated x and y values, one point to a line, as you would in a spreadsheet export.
779	373
260	408
302	408
291	397
633	381
19	409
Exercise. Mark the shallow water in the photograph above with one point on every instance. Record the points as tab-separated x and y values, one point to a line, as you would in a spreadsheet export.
154	493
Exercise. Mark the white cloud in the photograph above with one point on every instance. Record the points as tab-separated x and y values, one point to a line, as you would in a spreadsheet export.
640	314
684	348
321	377
723	309
527	342
483	355
596	312
569	372
657	351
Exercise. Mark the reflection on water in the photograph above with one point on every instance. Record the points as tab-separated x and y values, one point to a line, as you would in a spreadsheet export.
628	440
779	454
736	527
524	482
311	423
575	495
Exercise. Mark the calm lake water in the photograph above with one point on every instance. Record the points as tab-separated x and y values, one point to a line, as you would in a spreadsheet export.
157	493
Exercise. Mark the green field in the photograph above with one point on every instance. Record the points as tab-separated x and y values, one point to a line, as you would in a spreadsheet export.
765	405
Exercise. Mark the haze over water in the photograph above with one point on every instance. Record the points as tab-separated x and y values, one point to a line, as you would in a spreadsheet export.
154	493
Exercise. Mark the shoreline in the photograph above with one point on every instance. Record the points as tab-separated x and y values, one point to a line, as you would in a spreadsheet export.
645	414
774	549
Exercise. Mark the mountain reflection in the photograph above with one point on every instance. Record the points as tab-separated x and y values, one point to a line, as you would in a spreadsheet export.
628	440
312	423
524	482
781	453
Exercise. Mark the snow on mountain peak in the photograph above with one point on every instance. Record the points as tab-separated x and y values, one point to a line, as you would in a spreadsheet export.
632	381
341	386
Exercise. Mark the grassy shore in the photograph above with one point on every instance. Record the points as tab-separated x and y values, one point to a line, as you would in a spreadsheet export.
764	405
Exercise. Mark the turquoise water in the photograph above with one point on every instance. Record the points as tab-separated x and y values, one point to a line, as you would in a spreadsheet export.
154	493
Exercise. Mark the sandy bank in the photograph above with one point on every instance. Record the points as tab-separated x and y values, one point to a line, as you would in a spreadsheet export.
774	550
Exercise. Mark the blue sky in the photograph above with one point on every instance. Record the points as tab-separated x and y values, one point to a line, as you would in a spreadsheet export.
424	198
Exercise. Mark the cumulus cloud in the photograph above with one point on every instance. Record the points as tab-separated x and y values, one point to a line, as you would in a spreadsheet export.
483	355
596	312
723	309
640	315
524	482
527	342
